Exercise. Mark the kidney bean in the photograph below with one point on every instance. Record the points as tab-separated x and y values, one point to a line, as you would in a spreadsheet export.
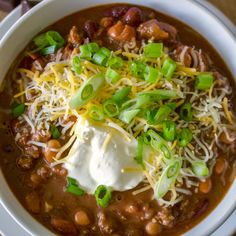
81	218
90	28
33	202
25	162
116	11
133	16
63	226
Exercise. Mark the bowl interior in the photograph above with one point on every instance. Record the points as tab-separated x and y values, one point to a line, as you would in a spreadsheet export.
52	10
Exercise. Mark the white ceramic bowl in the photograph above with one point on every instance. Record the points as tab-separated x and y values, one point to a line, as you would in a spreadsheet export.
48	12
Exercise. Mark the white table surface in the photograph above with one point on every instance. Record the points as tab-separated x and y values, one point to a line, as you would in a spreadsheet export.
8	227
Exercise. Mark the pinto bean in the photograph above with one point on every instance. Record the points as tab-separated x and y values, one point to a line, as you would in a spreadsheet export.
63	226
33	202
131	208
133	16
51	150
121	32
106	22
74	37
220	165
25	162
151	29
206	186
90	28
81	218
152	228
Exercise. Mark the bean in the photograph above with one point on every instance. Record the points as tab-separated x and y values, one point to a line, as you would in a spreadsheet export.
33	202
51	150
122	32
220	166
35	179
81	218
25	162
106	22
153	228
205	187
63	226
59	170
133	16
227	139
44	172
116	11
106	223
90	28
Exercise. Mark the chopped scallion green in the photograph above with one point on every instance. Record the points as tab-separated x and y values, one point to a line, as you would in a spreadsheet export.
169	130
48	50
18	109
200	169
87	91
204	81
115	62
162	113
151	74
111	108
76	64
186	112
55	132
96	113
72	187
153	50
168	68
103	195
185	137
128	115
112	76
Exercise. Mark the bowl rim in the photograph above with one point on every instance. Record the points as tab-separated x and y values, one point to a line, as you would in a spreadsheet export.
37	8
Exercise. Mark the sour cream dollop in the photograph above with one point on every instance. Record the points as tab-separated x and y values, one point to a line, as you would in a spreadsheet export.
100	155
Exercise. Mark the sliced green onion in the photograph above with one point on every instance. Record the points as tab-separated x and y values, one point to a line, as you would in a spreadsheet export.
149	115
158	143
87	91
72	187
111	108
55	39
172	105
85	52
200	169
55	132
112	76
186	112
167	179
48	50
151	74
103	195
160	94
139	152
100	58
204	81
96	113
168	68
121	95
18	109
128	115
41	41
115	62
137	68
185	137
169	130
105	51
76	64
153	50
93	47
162	113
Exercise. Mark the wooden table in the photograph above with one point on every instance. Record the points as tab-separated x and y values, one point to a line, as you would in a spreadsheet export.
228	7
